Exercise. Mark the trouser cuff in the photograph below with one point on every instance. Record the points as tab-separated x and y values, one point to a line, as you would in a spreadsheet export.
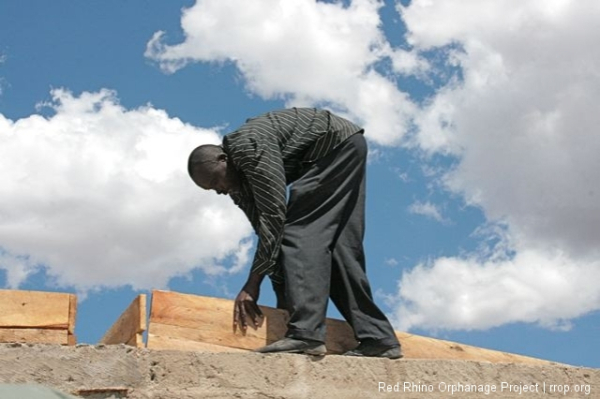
305	334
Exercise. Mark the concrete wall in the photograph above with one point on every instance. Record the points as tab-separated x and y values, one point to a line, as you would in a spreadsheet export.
118	371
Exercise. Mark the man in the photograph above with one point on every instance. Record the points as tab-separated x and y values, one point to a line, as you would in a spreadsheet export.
310	245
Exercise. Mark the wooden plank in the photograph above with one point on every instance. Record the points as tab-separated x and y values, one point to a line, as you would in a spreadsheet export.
340	337
72	312
248	342
129	326
35	309
137	340
191	319
419	347
34	335
209	320
212	318
158	342
72	339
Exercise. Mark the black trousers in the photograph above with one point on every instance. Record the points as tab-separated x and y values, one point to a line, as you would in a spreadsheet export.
322	248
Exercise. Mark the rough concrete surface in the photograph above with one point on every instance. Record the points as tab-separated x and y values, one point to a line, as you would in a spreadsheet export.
107	372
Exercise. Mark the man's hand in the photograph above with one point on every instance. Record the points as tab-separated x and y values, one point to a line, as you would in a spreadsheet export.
245	308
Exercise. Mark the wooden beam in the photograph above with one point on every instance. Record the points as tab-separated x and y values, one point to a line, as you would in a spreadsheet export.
186	322
130	326
209	320
137	341
34	309
72	312
419	347
210	336
35	335
168	343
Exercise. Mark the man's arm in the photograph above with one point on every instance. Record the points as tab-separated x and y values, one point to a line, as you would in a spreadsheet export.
266	178
265	175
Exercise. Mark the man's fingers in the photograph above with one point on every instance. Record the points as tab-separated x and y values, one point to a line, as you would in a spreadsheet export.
239	317
242	318
245	308
254	312
258	315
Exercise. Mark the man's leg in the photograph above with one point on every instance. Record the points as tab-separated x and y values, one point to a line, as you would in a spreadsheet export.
316	209
325	219
350	289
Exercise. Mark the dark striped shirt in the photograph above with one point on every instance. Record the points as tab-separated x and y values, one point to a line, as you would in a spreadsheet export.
270	152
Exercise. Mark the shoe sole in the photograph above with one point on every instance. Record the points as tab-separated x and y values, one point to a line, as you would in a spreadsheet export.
317	351
320	350
392	353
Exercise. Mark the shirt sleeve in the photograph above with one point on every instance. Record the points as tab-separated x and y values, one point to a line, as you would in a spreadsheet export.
245	202
264	171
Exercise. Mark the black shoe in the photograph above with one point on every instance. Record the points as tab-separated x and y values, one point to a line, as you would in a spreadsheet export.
293	345
375	349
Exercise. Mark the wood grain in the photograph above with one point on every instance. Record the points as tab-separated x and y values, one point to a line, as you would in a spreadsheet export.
168	343
35	336
130	325
37	309
184	321
419	347
209	320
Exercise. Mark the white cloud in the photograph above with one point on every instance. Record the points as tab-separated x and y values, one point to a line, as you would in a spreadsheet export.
523	123
409	62
391	262
241	256
468	293
99	195
428	210
524	120
374	155
305	51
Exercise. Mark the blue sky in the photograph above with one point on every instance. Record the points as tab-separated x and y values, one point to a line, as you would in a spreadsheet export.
482	120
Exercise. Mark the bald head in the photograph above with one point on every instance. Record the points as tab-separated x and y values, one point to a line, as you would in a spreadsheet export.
209	168
204	157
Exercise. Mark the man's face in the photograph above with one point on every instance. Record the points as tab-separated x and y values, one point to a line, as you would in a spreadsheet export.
219	177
